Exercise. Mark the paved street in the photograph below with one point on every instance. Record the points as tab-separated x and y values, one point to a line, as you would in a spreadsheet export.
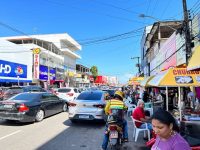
56	132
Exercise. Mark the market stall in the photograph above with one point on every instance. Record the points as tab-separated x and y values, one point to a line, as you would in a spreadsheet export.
176	77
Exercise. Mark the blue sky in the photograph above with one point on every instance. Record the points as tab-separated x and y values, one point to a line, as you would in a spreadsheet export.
89	20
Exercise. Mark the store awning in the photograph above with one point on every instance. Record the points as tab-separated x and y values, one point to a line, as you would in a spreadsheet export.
176	77
146	80
136	80
194	62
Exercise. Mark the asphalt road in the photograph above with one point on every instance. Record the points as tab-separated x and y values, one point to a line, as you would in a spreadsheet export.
57	133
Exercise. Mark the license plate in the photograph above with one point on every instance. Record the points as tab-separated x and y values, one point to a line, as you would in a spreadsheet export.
8	106
113	134
84	116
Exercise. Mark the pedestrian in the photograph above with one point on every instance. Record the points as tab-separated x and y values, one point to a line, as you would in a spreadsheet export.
166	129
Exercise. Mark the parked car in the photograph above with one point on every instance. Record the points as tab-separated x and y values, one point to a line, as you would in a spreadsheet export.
31	106
67	93
89	105
12	91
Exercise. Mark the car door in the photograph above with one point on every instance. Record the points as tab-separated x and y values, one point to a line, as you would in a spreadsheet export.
57	103
47	104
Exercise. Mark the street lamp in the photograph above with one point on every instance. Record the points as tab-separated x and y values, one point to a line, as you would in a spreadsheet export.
147	16
138	64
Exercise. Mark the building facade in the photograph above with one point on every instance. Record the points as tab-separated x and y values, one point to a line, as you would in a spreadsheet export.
52	57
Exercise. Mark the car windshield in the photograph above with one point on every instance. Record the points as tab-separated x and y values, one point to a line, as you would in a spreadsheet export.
90	96
26	96
64	90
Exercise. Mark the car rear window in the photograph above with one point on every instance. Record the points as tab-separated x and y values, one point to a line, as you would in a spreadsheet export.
26	96
14	91
90	96
64	90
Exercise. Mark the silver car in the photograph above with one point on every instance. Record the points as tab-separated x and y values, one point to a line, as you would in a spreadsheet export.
89	105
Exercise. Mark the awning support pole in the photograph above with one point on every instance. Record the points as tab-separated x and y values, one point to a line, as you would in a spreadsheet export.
179	102
167	99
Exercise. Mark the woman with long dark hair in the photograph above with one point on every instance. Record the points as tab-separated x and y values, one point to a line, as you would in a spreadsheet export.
166	128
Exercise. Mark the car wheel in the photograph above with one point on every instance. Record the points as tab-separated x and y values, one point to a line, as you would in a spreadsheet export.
65	107
39	116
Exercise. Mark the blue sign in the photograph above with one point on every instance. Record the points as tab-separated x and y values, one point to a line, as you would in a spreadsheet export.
11	69
44	73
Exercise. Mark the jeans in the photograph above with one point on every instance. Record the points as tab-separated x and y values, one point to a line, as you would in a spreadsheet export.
106	136
149	126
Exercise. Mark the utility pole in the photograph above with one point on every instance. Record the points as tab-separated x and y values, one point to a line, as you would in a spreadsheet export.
138	64
187	31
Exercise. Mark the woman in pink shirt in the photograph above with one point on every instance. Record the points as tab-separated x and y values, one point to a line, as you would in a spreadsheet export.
168	138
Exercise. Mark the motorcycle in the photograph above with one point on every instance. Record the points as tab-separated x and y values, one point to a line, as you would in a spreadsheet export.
115	129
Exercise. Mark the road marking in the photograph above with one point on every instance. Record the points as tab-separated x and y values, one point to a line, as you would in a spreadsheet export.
1	138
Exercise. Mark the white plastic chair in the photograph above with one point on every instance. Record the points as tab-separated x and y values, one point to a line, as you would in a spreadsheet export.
136	130
131	107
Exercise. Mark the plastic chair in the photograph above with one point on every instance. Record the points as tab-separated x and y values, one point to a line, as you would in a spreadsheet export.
137	130
131	107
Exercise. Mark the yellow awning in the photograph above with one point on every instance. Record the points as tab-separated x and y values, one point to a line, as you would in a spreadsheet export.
175	77
145	82
194	62
135	80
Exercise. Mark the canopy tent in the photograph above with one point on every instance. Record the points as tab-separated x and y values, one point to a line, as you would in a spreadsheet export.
135	80
194	62
146	80
176	77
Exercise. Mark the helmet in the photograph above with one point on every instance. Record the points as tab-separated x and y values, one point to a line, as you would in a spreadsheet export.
120	94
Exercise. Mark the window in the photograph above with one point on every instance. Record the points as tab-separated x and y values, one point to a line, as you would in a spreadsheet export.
90	96
26	96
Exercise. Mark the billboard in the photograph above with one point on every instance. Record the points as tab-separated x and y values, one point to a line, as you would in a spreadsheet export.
11	69
15	62
43	73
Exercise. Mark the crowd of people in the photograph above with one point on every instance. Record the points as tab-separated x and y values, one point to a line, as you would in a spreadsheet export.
162	123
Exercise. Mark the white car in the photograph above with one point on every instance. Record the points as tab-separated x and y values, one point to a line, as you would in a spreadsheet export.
68	93
89	105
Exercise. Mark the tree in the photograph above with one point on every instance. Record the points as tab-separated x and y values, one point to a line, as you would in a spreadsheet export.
94	72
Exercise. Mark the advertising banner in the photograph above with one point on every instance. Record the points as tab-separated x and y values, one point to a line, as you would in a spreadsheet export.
11	69
43	75
169	51
36	64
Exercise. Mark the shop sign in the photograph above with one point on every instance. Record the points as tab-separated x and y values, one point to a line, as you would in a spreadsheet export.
183	79
11	69
36	64
43	75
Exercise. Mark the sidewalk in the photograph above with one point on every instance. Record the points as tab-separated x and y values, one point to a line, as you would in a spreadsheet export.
132	145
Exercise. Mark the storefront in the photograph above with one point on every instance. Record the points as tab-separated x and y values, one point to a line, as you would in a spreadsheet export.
15	64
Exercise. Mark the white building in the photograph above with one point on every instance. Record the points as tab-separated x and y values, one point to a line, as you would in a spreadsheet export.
58	54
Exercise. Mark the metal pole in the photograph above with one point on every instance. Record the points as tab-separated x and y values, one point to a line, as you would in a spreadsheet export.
18	80
187	31
179	102
167	99
48	81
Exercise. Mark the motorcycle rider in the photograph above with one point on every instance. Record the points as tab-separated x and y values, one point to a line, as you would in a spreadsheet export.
116	103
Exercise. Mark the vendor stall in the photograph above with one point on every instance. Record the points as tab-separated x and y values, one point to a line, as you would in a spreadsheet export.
176	77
